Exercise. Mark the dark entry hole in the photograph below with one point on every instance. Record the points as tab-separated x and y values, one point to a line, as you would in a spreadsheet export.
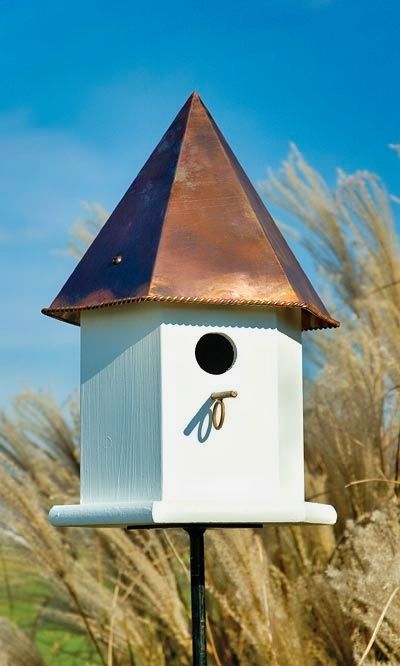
215	353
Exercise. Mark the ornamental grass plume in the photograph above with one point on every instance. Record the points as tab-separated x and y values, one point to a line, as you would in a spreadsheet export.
284	596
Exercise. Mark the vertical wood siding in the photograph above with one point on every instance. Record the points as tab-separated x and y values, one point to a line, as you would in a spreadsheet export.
121	405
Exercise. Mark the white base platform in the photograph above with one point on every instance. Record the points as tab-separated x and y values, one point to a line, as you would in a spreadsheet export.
135	514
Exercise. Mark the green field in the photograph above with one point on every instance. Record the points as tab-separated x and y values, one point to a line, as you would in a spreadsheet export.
28	605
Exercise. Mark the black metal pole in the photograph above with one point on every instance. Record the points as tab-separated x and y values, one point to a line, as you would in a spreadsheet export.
199	637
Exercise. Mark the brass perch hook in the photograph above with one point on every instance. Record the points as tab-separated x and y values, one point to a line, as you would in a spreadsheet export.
218	398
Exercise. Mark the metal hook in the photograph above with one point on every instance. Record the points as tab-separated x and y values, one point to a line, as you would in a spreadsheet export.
219	397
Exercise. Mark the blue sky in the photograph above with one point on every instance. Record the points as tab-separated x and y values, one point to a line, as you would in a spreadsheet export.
88	89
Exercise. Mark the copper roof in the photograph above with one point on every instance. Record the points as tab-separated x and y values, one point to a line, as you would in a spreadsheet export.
190	229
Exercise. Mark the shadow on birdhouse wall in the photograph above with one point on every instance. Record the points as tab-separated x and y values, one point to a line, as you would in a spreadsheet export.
202	419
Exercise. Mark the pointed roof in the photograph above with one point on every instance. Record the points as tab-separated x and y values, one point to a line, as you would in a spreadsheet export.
190	229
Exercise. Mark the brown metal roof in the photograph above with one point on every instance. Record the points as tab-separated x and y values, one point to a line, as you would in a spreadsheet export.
190	229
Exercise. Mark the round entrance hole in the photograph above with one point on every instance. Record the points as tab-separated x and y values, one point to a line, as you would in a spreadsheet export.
215	353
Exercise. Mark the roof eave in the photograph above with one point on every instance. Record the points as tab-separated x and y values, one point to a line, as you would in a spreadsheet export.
311	318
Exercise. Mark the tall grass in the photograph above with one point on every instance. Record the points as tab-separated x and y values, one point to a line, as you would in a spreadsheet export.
284	595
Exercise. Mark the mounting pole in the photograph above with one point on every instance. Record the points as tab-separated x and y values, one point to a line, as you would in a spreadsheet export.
199	637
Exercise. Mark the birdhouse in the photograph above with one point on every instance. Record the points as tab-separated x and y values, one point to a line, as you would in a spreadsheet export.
191	308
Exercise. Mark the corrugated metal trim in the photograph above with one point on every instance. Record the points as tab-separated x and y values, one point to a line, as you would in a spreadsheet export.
72	314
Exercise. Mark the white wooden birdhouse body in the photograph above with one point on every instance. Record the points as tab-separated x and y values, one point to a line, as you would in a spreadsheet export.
191	307
146	410
150	452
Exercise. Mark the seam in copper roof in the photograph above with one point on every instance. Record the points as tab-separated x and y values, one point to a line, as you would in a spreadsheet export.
190	105
192	97
241	191
225	148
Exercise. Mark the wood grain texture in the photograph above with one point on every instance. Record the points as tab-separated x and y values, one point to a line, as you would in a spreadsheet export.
120	406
